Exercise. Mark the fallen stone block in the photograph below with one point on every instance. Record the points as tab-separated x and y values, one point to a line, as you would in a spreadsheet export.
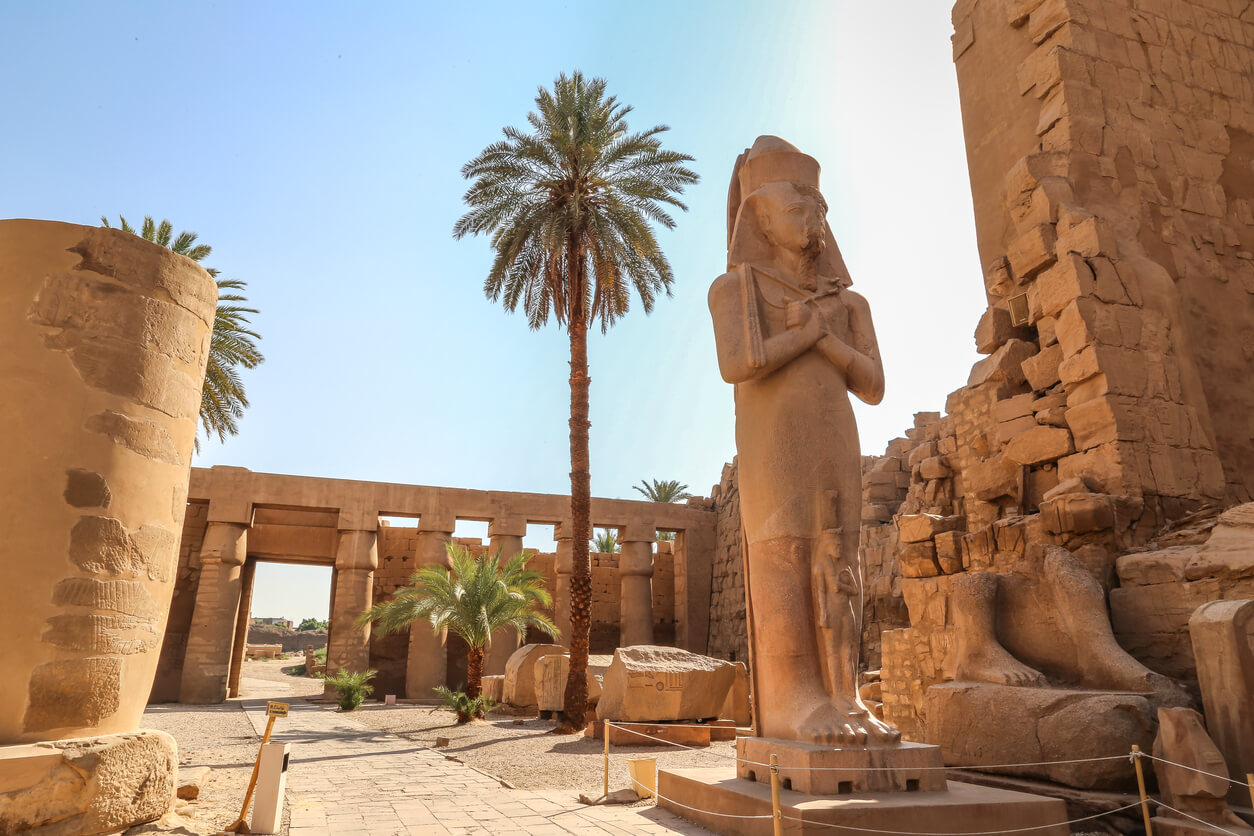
648	683
520	677
191	779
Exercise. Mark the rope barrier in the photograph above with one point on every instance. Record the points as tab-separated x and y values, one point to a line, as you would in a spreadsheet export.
701	749
1195	818
934	768
1192	769
809	822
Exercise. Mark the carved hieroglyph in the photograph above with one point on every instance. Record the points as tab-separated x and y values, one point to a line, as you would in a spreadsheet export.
103	344
794	340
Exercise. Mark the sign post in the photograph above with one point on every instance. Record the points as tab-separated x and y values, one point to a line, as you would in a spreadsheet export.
273	710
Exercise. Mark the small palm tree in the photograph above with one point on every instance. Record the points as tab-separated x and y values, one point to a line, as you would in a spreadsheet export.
232	346
669	490
605	541
473	597
568	207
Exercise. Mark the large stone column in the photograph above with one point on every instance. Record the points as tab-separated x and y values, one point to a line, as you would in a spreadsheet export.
211	637
565	567
103	343
427	664
356	558
505	535
635	572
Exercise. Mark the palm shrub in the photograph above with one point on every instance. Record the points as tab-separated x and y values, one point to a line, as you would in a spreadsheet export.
352	687
472	597
232	345
567	207
464	705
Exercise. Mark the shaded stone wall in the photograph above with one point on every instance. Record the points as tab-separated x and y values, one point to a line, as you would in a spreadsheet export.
729	638
397	550
165	686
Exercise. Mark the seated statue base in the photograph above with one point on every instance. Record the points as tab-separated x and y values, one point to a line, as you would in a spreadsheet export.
688	733
977	723
711	797
819	769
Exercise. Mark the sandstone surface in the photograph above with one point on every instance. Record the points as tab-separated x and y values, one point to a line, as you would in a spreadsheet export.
653	684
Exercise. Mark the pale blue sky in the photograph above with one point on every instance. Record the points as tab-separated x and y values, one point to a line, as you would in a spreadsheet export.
317	148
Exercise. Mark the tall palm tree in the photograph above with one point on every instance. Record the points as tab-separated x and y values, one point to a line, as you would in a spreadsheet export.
668	490
568	207
232	346
473	597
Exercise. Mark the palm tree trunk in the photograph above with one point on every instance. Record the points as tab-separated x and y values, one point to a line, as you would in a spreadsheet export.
576	697
474	672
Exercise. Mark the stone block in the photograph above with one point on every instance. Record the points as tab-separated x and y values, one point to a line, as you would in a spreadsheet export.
949	551
1039	445
1041	370
935	467
87	786
1078	513
917	528
1222	634
1093	423
1016	407
816	769
493	687
1190	770
520	676
1003	366
1088	238
918	560
925	450
737	707
978	724
1007	430
992	479
1032	251
191	780
647	683
994	329
1069	279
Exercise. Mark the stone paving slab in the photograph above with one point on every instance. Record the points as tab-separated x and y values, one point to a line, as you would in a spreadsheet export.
347	779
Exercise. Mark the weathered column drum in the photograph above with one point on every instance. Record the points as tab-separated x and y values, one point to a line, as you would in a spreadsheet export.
104	339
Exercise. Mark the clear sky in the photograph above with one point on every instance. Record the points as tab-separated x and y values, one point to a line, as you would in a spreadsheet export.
317	148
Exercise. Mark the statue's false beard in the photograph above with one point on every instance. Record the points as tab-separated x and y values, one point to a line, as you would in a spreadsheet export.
808	269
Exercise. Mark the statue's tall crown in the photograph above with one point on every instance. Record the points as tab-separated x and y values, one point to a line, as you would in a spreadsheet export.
772	160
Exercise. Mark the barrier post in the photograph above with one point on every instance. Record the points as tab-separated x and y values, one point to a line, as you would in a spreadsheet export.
606	729
775	811
1140	784
1249	780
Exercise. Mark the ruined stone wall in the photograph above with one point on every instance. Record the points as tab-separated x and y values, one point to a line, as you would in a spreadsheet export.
1111	165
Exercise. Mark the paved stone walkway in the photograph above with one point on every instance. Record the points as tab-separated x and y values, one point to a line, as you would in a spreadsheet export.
349	780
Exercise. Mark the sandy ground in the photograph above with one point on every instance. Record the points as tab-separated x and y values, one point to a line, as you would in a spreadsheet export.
221	738
527	754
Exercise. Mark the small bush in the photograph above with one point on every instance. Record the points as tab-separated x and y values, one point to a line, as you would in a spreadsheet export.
352	687
461	703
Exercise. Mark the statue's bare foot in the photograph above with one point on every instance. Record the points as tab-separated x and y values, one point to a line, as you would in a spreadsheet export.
842	721
993	663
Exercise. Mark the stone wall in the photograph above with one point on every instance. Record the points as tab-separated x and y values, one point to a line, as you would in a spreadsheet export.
1111	156
729	638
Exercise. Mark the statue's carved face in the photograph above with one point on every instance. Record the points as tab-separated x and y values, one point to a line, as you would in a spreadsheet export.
792	218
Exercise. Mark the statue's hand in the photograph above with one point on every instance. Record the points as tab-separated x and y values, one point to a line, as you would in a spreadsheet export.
797	315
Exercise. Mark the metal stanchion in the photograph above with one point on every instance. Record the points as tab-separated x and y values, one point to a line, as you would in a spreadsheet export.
775	811
1249	780
606	729
1140	784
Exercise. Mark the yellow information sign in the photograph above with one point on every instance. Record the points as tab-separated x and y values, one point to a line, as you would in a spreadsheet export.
277	709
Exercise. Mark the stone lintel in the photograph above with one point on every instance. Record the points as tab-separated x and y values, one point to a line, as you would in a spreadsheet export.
638	532
231	511
507	527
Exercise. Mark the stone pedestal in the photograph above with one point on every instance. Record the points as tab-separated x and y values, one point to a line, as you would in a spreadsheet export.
1222	633
89	785
658	734
817	769
710	797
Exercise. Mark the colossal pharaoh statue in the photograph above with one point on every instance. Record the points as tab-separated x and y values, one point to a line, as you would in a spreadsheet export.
795	341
